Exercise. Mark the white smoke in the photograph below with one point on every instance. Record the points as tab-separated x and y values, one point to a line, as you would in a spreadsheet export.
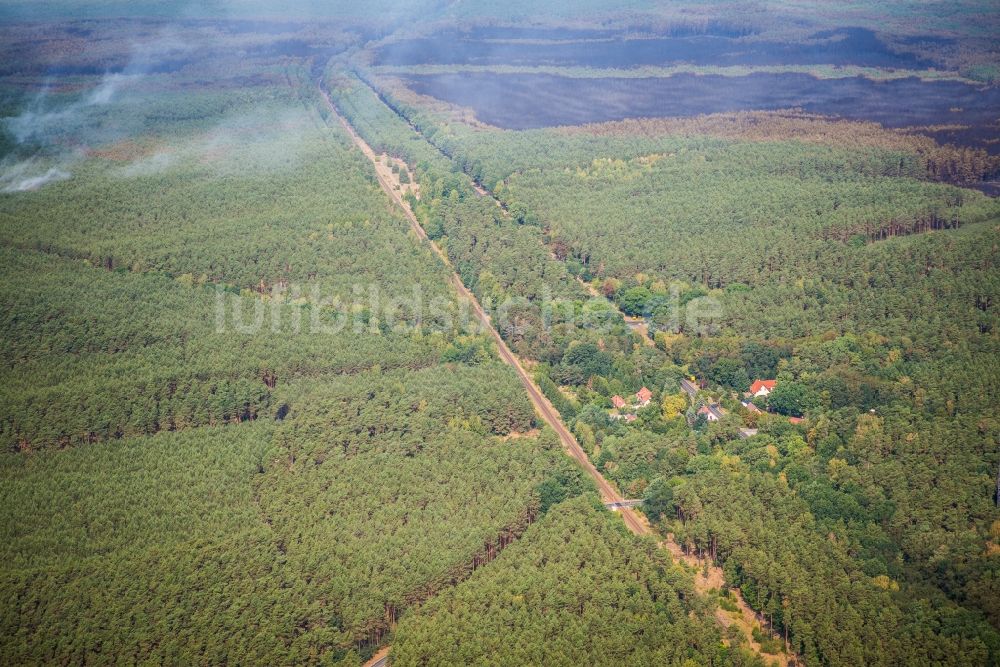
35	182
262	140
39	124
148	166
25	176
108	88
48	126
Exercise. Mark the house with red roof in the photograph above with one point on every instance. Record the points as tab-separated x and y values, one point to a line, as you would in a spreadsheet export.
618	402
762	387
642	397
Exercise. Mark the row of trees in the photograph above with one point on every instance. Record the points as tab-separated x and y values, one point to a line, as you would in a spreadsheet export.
549	316
919	155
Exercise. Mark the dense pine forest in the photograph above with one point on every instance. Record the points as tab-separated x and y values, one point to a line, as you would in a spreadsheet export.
153	453
250	414
842	322
568	594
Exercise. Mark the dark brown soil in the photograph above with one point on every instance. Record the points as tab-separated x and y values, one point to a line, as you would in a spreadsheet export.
847	46
524	101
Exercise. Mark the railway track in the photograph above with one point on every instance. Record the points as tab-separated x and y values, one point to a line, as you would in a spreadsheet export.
542	406
609	495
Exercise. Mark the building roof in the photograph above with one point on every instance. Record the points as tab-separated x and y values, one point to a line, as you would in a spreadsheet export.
717	410
795	420
762	384
644	395
618	401
751	407
630	418
712	411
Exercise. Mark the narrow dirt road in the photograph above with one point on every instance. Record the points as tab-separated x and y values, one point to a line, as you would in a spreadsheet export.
708	575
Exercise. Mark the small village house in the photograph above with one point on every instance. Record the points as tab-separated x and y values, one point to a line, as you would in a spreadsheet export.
709	413
643	397
762	387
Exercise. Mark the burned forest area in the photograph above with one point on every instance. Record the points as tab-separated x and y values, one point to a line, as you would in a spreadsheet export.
457	333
